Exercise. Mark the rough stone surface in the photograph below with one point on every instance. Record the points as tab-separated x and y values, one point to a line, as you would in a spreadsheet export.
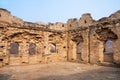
62	38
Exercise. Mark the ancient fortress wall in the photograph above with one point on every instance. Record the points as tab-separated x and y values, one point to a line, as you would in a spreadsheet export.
82	40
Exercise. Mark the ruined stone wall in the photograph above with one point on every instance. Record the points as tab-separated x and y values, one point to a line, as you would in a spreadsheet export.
6	17
59	41
75	38
57	26
42	39
25	33
86	20
79	34
80	40
103	30
95	34
23	37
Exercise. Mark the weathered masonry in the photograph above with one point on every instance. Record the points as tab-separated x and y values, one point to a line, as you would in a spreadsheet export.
84	40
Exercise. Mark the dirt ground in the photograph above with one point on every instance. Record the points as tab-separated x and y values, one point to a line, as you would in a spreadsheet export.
59	71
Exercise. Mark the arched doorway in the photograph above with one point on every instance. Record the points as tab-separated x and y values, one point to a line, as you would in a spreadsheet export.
108	51
78	51
108	37
14	58
14	48
32	48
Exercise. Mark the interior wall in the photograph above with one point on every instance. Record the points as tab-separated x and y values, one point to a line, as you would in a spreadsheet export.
116	55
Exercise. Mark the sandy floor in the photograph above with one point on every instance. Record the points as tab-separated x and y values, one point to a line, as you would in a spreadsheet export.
59	71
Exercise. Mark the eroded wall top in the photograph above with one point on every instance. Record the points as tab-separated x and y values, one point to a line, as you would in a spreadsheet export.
85	21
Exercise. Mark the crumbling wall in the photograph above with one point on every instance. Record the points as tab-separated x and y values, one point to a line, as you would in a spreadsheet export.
86	20
72	23
104	30
59	40
57	26
6	17
77	34
77	40
23	37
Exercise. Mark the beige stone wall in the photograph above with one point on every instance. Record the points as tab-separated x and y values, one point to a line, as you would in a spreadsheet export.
6	17
96	48
65	36
57	26
86	20
116	55
108	31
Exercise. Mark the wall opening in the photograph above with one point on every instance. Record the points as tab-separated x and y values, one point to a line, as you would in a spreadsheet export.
85	21
1	60
107	36
62	25
78	51
53	48
108	51
14	48
32	48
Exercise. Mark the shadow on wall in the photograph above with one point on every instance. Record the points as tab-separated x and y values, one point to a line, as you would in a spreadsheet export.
4	76
98	74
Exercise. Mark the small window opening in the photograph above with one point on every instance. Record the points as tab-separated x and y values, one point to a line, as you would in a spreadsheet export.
52	48
44	46
1	46
85	21
62	25
64	47
1	60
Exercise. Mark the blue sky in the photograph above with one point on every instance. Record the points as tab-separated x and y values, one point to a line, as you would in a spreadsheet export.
59	10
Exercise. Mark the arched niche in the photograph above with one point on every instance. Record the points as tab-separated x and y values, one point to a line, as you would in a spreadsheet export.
32	48
14	48
75	47
79	51
108	51
53	48
107	37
